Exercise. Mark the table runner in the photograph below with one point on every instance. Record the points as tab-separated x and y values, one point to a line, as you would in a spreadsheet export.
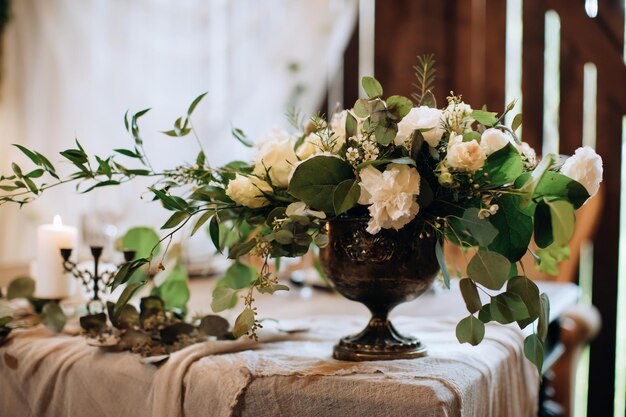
62	376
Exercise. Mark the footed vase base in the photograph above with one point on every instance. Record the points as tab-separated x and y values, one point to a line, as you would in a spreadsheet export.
378	341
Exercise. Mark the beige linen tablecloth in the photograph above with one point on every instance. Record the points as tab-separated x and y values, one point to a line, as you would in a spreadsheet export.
295	375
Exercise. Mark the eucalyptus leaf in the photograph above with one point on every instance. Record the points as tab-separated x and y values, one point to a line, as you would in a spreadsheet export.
544	317
489	269
480	229
244	322
486	118
238	276
514	227
562	219
213	325
470	330
503	166
125	297
533	350
372	87
315	179
223	298
346	196
22	287
470	295
543	225
142	240
528	291
174	291
508	307
53	317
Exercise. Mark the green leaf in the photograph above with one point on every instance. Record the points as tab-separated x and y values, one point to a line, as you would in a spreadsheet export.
22	287
244	322
315	179
372	87
484	314
441	260
543	225
241	137
503	166
174	291
194	103
550	257
30	154
489	269
553	184
533	350
223	299
241	249
142	240
563	219
517	122
527	290
480	229
96	322
470	295
528	183
176	219
170	202
400	105
53	317
125	297
361	108
508	307
201	221
470	330
514	227
16	169
352	126
385	134
36	173
238	276
127	152
484	117
544	317
346	196
126	271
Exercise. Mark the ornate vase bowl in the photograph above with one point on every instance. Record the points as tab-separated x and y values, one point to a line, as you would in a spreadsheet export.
379	271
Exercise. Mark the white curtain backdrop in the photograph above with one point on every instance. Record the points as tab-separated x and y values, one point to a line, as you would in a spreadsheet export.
72	68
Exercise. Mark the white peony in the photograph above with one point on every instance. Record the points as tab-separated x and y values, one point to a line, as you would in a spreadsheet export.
465	156
585	166
492	140
421	118
277	156
248	191
390	196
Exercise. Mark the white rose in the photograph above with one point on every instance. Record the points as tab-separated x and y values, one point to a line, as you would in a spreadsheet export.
458	116
528	153
465	156
390	196
585	166
248	191
278	157
420	118
338	125
492	140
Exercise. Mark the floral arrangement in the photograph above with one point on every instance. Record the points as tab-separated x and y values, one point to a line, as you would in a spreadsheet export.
460	170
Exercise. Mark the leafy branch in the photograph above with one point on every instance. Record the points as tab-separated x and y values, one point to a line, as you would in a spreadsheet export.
425	74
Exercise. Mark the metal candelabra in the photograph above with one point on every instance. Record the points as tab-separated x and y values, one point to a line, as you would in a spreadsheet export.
95	281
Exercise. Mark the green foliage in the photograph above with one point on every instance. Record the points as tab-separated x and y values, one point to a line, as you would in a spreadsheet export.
485	118
53	317
441	260
514	229
425	74
372	87
503	166
480	229
470	330
143	240
22	287
533	350
549	258
244	322
508	307
317	178
346	196
489	269
470	295
174	291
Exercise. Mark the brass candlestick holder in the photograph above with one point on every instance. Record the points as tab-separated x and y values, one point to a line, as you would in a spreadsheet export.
96	281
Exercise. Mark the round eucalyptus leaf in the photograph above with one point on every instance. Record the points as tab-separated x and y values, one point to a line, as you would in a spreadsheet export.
470	330
53	317
213	325
22	287
489	269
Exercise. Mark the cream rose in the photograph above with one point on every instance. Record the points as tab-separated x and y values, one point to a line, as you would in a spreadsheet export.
585	166
248	191
276	156
492	140
390	196
420	118
465	156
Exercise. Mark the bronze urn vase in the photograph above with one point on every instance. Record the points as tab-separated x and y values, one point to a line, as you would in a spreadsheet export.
379	271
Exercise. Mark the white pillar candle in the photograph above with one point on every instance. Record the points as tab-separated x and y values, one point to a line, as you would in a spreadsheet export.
52	282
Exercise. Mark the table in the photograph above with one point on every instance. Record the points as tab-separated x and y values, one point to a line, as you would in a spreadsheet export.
286	376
